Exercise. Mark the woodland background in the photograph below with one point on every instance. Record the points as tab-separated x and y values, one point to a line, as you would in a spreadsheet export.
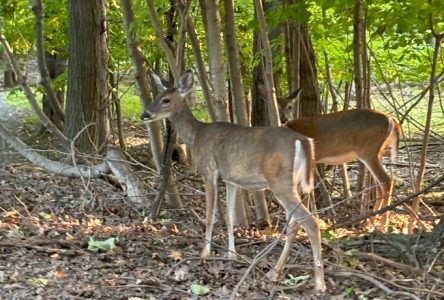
81	197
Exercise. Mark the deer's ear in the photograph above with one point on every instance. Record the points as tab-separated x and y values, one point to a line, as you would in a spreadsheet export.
158	82
186	82
295	94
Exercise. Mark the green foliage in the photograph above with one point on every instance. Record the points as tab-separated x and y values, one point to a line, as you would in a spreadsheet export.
16	98
17	24
103	246
199	290
130	102
293	280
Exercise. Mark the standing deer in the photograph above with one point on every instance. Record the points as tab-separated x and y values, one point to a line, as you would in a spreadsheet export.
344	136
252	158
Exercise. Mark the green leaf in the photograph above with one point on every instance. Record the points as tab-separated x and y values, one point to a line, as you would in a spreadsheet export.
45	216
199	290
292	280
348	291
38	282
96	245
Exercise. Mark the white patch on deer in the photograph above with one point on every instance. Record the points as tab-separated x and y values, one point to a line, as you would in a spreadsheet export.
300	167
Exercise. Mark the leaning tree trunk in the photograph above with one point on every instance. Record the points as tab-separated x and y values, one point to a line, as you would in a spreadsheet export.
143	84
425	141
273	114
51	98
88	100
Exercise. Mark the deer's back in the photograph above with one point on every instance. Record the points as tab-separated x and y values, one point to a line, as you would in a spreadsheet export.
247	156
346	135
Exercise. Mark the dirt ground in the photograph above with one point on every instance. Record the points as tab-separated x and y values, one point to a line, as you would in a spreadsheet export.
48	225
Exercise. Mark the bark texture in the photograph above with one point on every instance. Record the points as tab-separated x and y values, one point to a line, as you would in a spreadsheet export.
88	100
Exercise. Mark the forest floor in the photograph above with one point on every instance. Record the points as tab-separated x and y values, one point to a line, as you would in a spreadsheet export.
67	238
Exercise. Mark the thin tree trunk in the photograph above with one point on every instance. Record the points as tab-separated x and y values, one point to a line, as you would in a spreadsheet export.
143	84
237	89
41	59
201	67
174	68
366	71
268	69
211	18
425	141
357	53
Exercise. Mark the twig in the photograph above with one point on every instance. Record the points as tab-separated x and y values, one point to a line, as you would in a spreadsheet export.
389	262
376	282
198	258
394	204
43	249
165	170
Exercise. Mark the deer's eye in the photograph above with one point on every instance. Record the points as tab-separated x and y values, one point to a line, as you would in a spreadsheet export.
290	107
165	101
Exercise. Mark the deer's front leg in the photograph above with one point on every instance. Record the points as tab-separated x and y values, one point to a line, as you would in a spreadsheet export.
231	206
210	202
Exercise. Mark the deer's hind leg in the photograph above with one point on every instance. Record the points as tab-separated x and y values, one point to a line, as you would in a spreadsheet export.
296	212
385	188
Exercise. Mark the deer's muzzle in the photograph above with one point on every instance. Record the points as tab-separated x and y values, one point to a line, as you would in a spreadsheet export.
146	116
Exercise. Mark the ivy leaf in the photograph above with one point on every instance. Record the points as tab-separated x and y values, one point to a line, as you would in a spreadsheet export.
96	245
199	290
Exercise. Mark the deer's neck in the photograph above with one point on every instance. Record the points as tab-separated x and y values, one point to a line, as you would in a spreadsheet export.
186	125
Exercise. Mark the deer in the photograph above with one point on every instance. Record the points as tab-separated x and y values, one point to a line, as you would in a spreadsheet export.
345	136
252	158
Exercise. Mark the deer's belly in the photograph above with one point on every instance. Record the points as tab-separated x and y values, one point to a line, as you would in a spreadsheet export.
338	158
253	184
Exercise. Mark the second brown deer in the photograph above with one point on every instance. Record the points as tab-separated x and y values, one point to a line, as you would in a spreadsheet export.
344	136
252	158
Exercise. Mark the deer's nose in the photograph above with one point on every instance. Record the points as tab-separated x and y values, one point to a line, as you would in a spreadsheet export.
145	115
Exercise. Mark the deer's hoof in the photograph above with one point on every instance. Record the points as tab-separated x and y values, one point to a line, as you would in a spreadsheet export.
232	256
273	275
205	253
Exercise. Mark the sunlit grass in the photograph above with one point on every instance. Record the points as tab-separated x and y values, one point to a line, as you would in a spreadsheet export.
131	107
16	98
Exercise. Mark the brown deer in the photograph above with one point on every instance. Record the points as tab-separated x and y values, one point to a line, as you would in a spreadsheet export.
252	158
344	136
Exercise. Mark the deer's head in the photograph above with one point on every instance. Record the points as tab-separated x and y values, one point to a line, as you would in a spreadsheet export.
285	104
171	100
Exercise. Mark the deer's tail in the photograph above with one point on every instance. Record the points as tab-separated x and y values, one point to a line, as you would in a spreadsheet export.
395	136
304	164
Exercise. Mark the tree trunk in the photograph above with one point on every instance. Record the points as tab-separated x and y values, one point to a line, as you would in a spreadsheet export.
310	102
357	54
259	106
9	78
201	67
237	89
268	62
51	97
144	87
425	141
211	18
259	117
88	100
56	65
